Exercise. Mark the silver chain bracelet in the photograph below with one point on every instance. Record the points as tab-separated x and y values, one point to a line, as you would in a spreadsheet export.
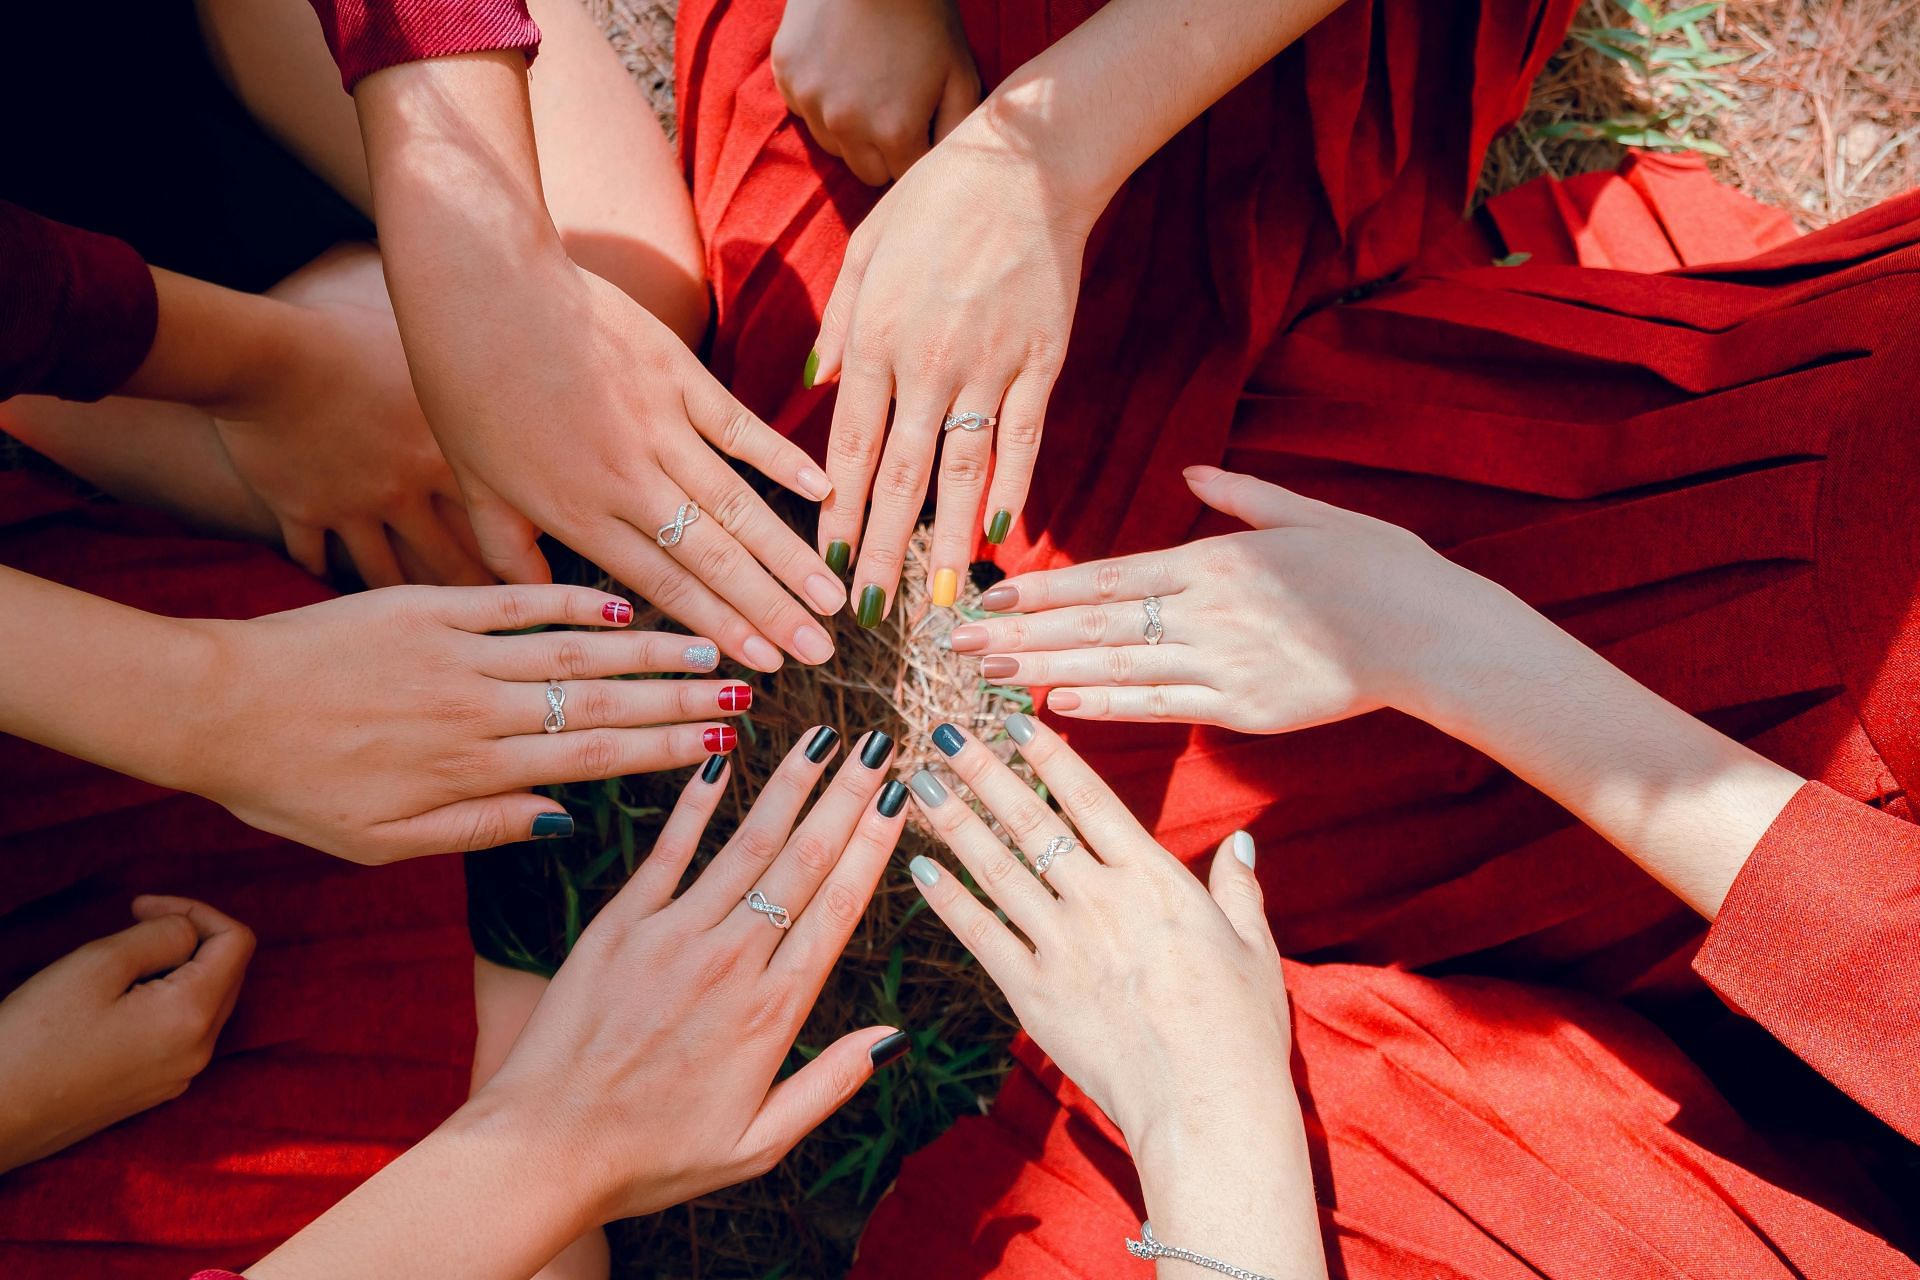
1147	1248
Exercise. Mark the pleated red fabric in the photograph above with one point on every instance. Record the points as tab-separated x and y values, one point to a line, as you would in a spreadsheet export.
353	1034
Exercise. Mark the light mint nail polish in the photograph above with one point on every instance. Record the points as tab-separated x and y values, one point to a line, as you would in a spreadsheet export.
924	869
1242	845
1020	728
928	788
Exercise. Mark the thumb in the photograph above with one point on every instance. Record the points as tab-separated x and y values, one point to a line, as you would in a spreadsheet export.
509	543
152	946
1237	891
1262	505
466	825
823	364
797	1105
957	100
212	975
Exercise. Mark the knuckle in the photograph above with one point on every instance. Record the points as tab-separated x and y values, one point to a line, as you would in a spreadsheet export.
754	846
813	855
715	559
963	468
1025	821
842	906
671	591
900	481
598	705
571	659
1120	664
1107	580
1160	702
461	767
717	969
595	755
978	933
735	508
872	346
1092	625
482	830
735	431
1021	433
996	869
849	447
1083	797
516	609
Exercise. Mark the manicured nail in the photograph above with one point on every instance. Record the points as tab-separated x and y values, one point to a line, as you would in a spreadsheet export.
702	657
1020	728
968	639
713	768
1000	599
821	743
838	555
720	738
736	697
808	374
760	654
814	483
946	585
553	826
928	788
924	869
1242	845
999	667
873	602
948	739
618	612
1062	700
892	796
879	747
999	527
813	645
824	594
890	1050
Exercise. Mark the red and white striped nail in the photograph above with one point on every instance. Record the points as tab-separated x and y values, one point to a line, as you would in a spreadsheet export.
736	697
618	612
720	739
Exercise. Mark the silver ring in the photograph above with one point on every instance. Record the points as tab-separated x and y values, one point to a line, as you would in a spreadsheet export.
776	915
670	533
968	421
1154	630
556	708
1055	847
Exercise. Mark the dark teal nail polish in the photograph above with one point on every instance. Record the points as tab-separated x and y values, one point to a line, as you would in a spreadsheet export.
811	371
1000	527
892	796
553	826
874	754
821	743
873	602
948	739
839	555
713	768
890	1050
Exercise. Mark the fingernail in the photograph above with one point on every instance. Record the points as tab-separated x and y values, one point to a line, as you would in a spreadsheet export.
811	371
968	638
928	788
892	796
821	743
946	585
824	594
736	697
618	612
1000	599
873	601
702	657
879	747
1061	700
999	667
838	555
552	826
720	738
713	768
1020	728
924	869
760	654
814	483
1001	525
890	1050
1242	845
948	739
813	645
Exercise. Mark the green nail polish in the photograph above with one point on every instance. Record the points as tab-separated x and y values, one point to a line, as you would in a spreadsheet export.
812	370
838	553
873	601
1001	526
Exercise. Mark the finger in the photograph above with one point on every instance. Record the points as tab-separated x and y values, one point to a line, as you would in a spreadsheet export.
1085	797
149	947
957	99
712	555
810	948
212	976
585	755
964	456
816	127
587	655
899	490
1033	825
836	319
1123	579
371	552
306	546
421	531
509	542
1234	886
1142	704
853	451
795	1106
1244	497
634	558
652	886
865	160
726	424
1075	627
739	510
517	608
465	825
900	144
761	835
1004	957
524	708
1016	446
1008	882
1118	665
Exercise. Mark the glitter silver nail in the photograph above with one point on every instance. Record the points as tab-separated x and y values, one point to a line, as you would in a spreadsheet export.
703	656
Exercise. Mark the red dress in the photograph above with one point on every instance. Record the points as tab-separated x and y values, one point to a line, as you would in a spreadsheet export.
1699	474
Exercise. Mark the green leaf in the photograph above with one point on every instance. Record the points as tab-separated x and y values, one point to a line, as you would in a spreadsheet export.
1681	17
1640	10
1513	259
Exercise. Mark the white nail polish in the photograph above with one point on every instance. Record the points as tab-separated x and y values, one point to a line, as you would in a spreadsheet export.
1242	845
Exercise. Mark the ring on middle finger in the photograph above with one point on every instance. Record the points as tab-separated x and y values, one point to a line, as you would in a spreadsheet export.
556	708
968	422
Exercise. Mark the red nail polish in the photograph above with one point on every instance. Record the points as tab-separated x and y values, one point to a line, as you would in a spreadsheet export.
618	612
736	697
720	739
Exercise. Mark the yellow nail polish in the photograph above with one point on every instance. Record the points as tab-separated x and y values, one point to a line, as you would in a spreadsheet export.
946	583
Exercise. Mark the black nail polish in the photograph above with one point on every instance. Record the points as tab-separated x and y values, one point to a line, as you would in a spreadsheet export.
874	754
713	768
892	796
890	1050
552	826
948	739
821	743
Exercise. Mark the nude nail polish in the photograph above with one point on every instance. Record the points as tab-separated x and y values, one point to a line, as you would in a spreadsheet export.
814	484
892	796
823	593
924	869
760	654
967	639
1063	700
1020	728
713	768
813	645
736	697
946	585
618	612
928	788
948	739
890	1050
1000	599
720	738
820	745
1000	667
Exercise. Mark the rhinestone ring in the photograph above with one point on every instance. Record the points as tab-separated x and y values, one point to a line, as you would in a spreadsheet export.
968	421
556	708
1055	847
1154	630
670	533
776	915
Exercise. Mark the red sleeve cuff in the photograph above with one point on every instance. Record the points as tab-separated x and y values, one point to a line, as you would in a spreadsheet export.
1819	942
77	309
215	1275
369	35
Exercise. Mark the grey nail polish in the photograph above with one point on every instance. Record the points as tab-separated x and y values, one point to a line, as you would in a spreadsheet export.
924	869
890	1050
1242	845
704	657
552	826
1020	728
948	739
822	742
875	753
713	768
892	796
928	788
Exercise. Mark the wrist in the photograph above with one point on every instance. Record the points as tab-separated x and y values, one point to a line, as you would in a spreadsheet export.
1484	648
214	348
1019	123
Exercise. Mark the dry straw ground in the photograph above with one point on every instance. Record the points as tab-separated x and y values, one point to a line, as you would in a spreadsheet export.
1824	119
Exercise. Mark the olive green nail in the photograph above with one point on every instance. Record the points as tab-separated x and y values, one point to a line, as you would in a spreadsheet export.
838	553
1000	527
873	602
812	370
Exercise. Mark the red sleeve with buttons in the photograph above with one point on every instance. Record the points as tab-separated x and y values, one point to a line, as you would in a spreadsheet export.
1819	942
369	35
77	310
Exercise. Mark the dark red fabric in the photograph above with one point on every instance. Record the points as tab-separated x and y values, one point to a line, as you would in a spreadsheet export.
366	36
353	1034
77	310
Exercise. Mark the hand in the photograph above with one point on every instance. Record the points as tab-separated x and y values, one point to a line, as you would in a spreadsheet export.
947	303
389	724
1316	615
121	1025
868	75
332	439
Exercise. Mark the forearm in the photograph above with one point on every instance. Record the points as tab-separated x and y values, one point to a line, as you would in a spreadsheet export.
215	348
